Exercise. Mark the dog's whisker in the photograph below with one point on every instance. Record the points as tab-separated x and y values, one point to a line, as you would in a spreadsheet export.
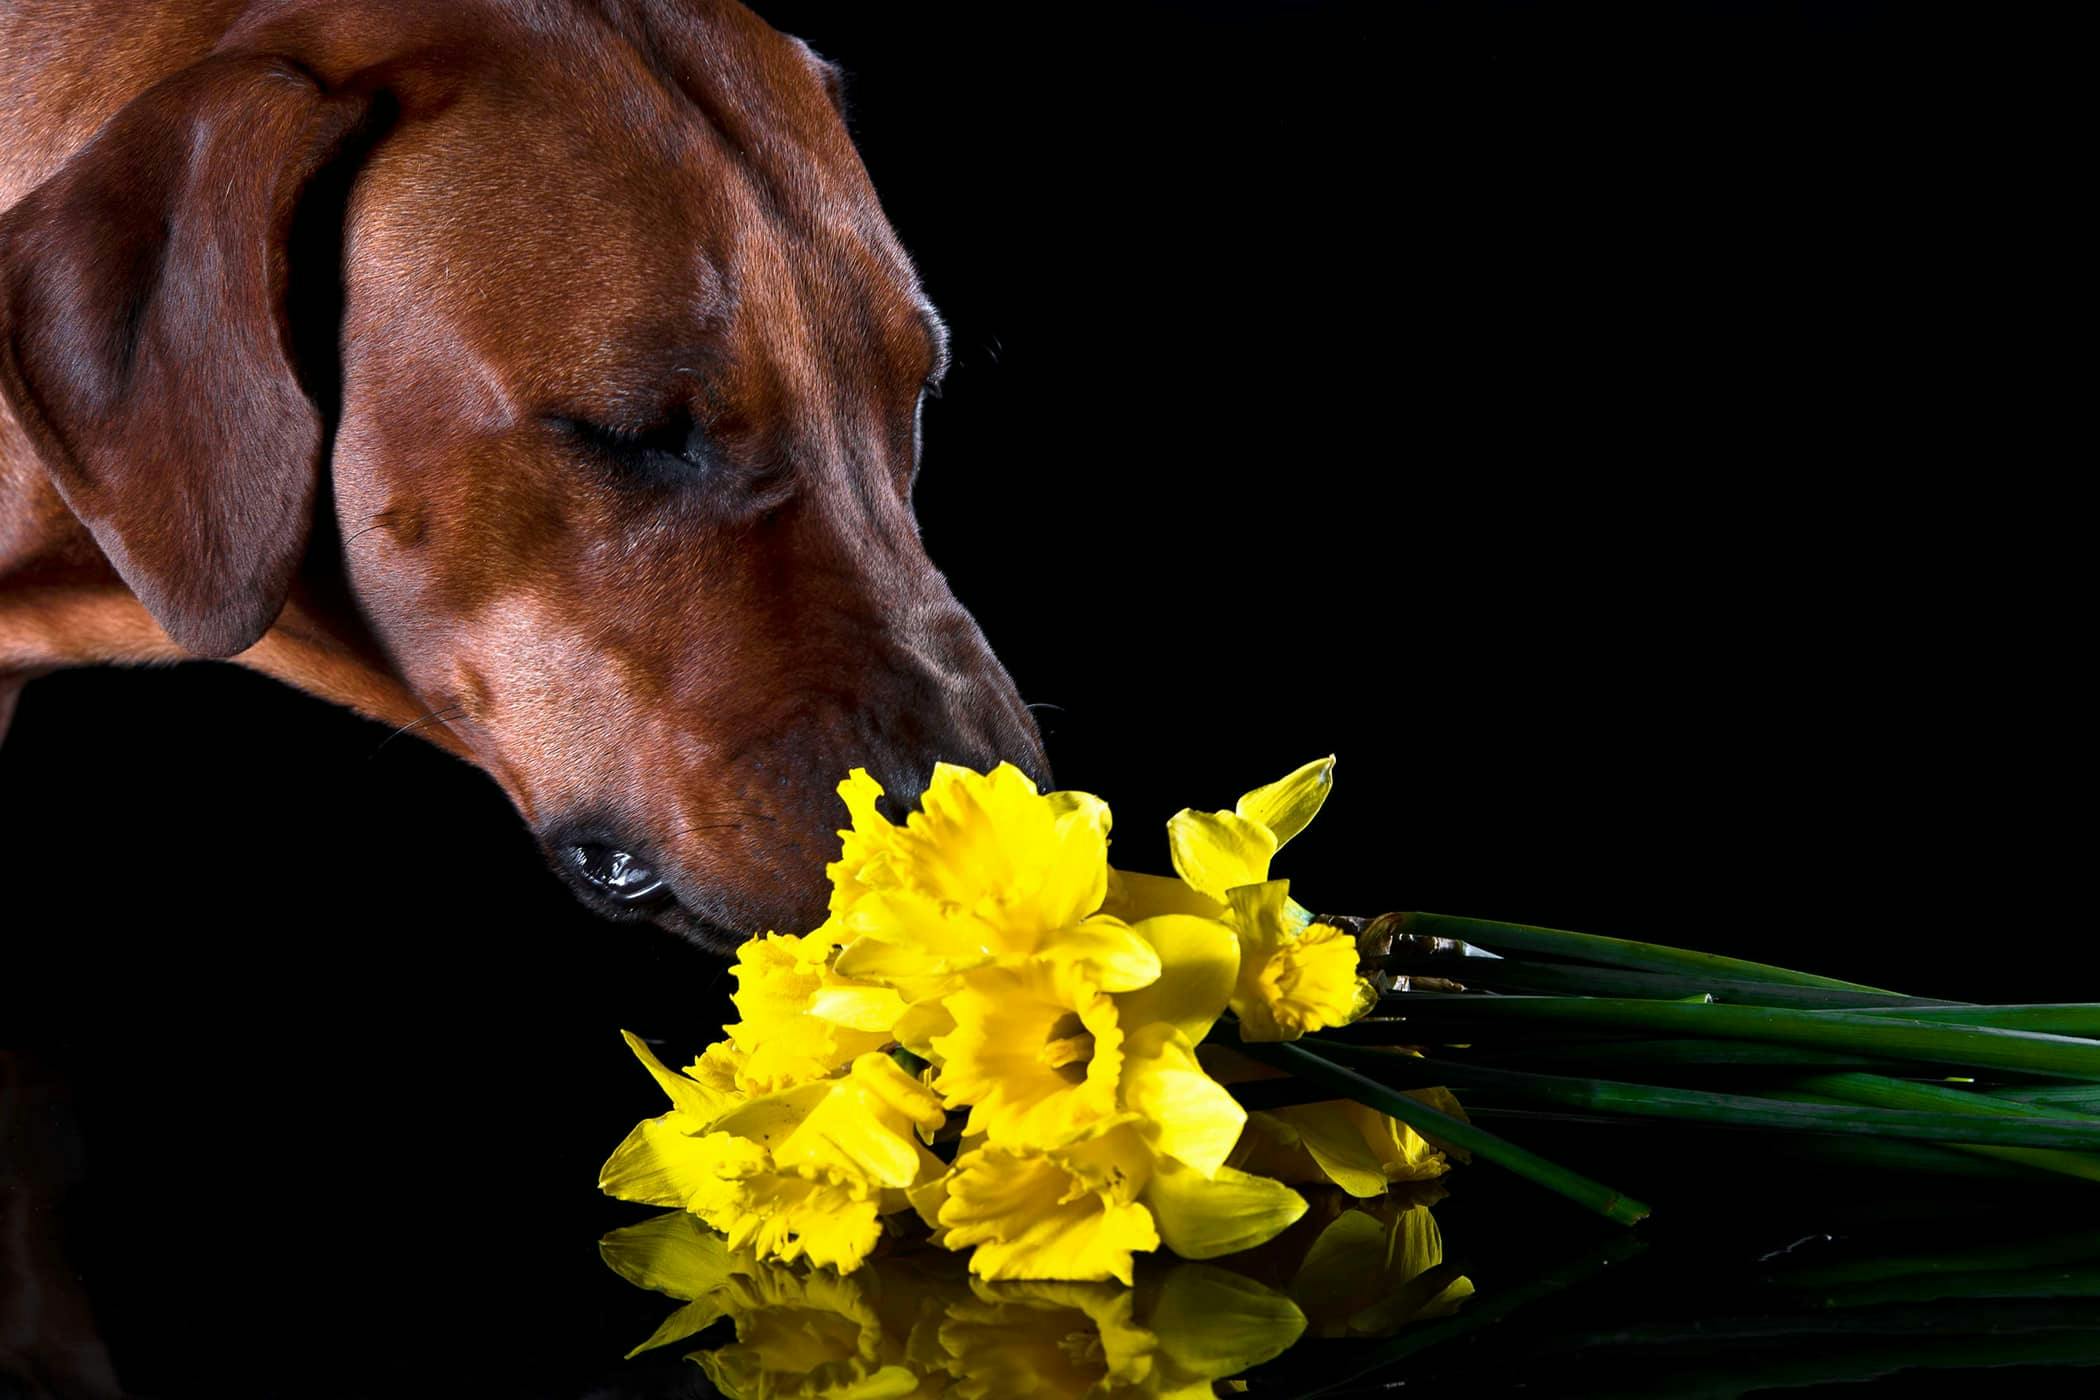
1035	705
449	712
383	520
737	825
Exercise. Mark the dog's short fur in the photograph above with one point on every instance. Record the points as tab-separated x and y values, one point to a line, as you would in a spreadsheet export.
542	374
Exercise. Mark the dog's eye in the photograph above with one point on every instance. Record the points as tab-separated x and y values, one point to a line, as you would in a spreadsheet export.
677	446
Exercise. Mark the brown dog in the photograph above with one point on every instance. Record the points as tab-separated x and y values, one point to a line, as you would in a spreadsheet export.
543	376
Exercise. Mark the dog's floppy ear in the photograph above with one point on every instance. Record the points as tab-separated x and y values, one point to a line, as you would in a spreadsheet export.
145	344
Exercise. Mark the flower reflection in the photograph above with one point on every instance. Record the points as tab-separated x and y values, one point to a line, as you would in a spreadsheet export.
917	1323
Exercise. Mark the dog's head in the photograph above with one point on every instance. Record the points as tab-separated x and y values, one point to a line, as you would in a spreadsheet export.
581	333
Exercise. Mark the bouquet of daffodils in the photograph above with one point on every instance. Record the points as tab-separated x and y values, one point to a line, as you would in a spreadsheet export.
995	1032
999	1041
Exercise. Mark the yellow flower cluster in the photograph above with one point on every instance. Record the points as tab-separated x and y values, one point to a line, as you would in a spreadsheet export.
983	960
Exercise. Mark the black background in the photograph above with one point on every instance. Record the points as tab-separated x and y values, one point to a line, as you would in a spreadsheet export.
1544	408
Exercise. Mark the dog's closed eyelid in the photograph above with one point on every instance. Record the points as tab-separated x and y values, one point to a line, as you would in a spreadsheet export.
678	439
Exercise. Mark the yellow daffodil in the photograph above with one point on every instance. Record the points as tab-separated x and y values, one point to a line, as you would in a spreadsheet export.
800	1020
1291	979
1036	1052
1036	1049
1069	1212
1079	1211
804	1173
989	869
1295	975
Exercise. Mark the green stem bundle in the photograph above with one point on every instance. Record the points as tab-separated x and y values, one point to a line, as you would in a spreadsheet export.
1548	1023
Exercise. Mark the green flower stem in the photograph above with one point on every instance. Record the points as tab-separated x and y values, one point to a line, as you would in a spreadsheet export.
2079	1018
1346	1083
2083	1097
1650	1054
2001	1126
1613	952
1518	975
1884	1092
1903	1093
1901	1038
2085	1166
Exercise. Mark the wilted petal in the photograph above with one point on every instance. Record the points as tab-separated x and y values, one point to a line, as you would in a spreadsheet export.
1230	1211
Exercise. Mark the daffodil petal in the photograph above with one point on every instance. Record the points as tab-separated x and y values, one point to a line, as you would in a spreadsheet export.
1051	1215
1121	957
1216	851
696	1316
688	1095
659	1165
1213	1323
1188	1115
1335	1143
781	1216
1133	896
672	1253
858	1008
921	1024
1203	1218
1199	961
768	1119
1288	804
863	1127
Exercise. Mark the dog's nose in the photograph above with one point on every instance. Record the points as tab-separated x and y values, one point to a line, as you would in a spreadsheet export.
619	875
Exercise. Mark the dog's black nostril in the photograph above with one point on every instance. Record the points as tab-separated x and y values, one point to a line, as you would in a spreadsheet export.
617	875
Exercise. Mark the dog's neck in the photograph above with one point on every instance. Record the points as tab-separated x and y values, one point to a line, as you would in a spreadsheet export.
63	605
